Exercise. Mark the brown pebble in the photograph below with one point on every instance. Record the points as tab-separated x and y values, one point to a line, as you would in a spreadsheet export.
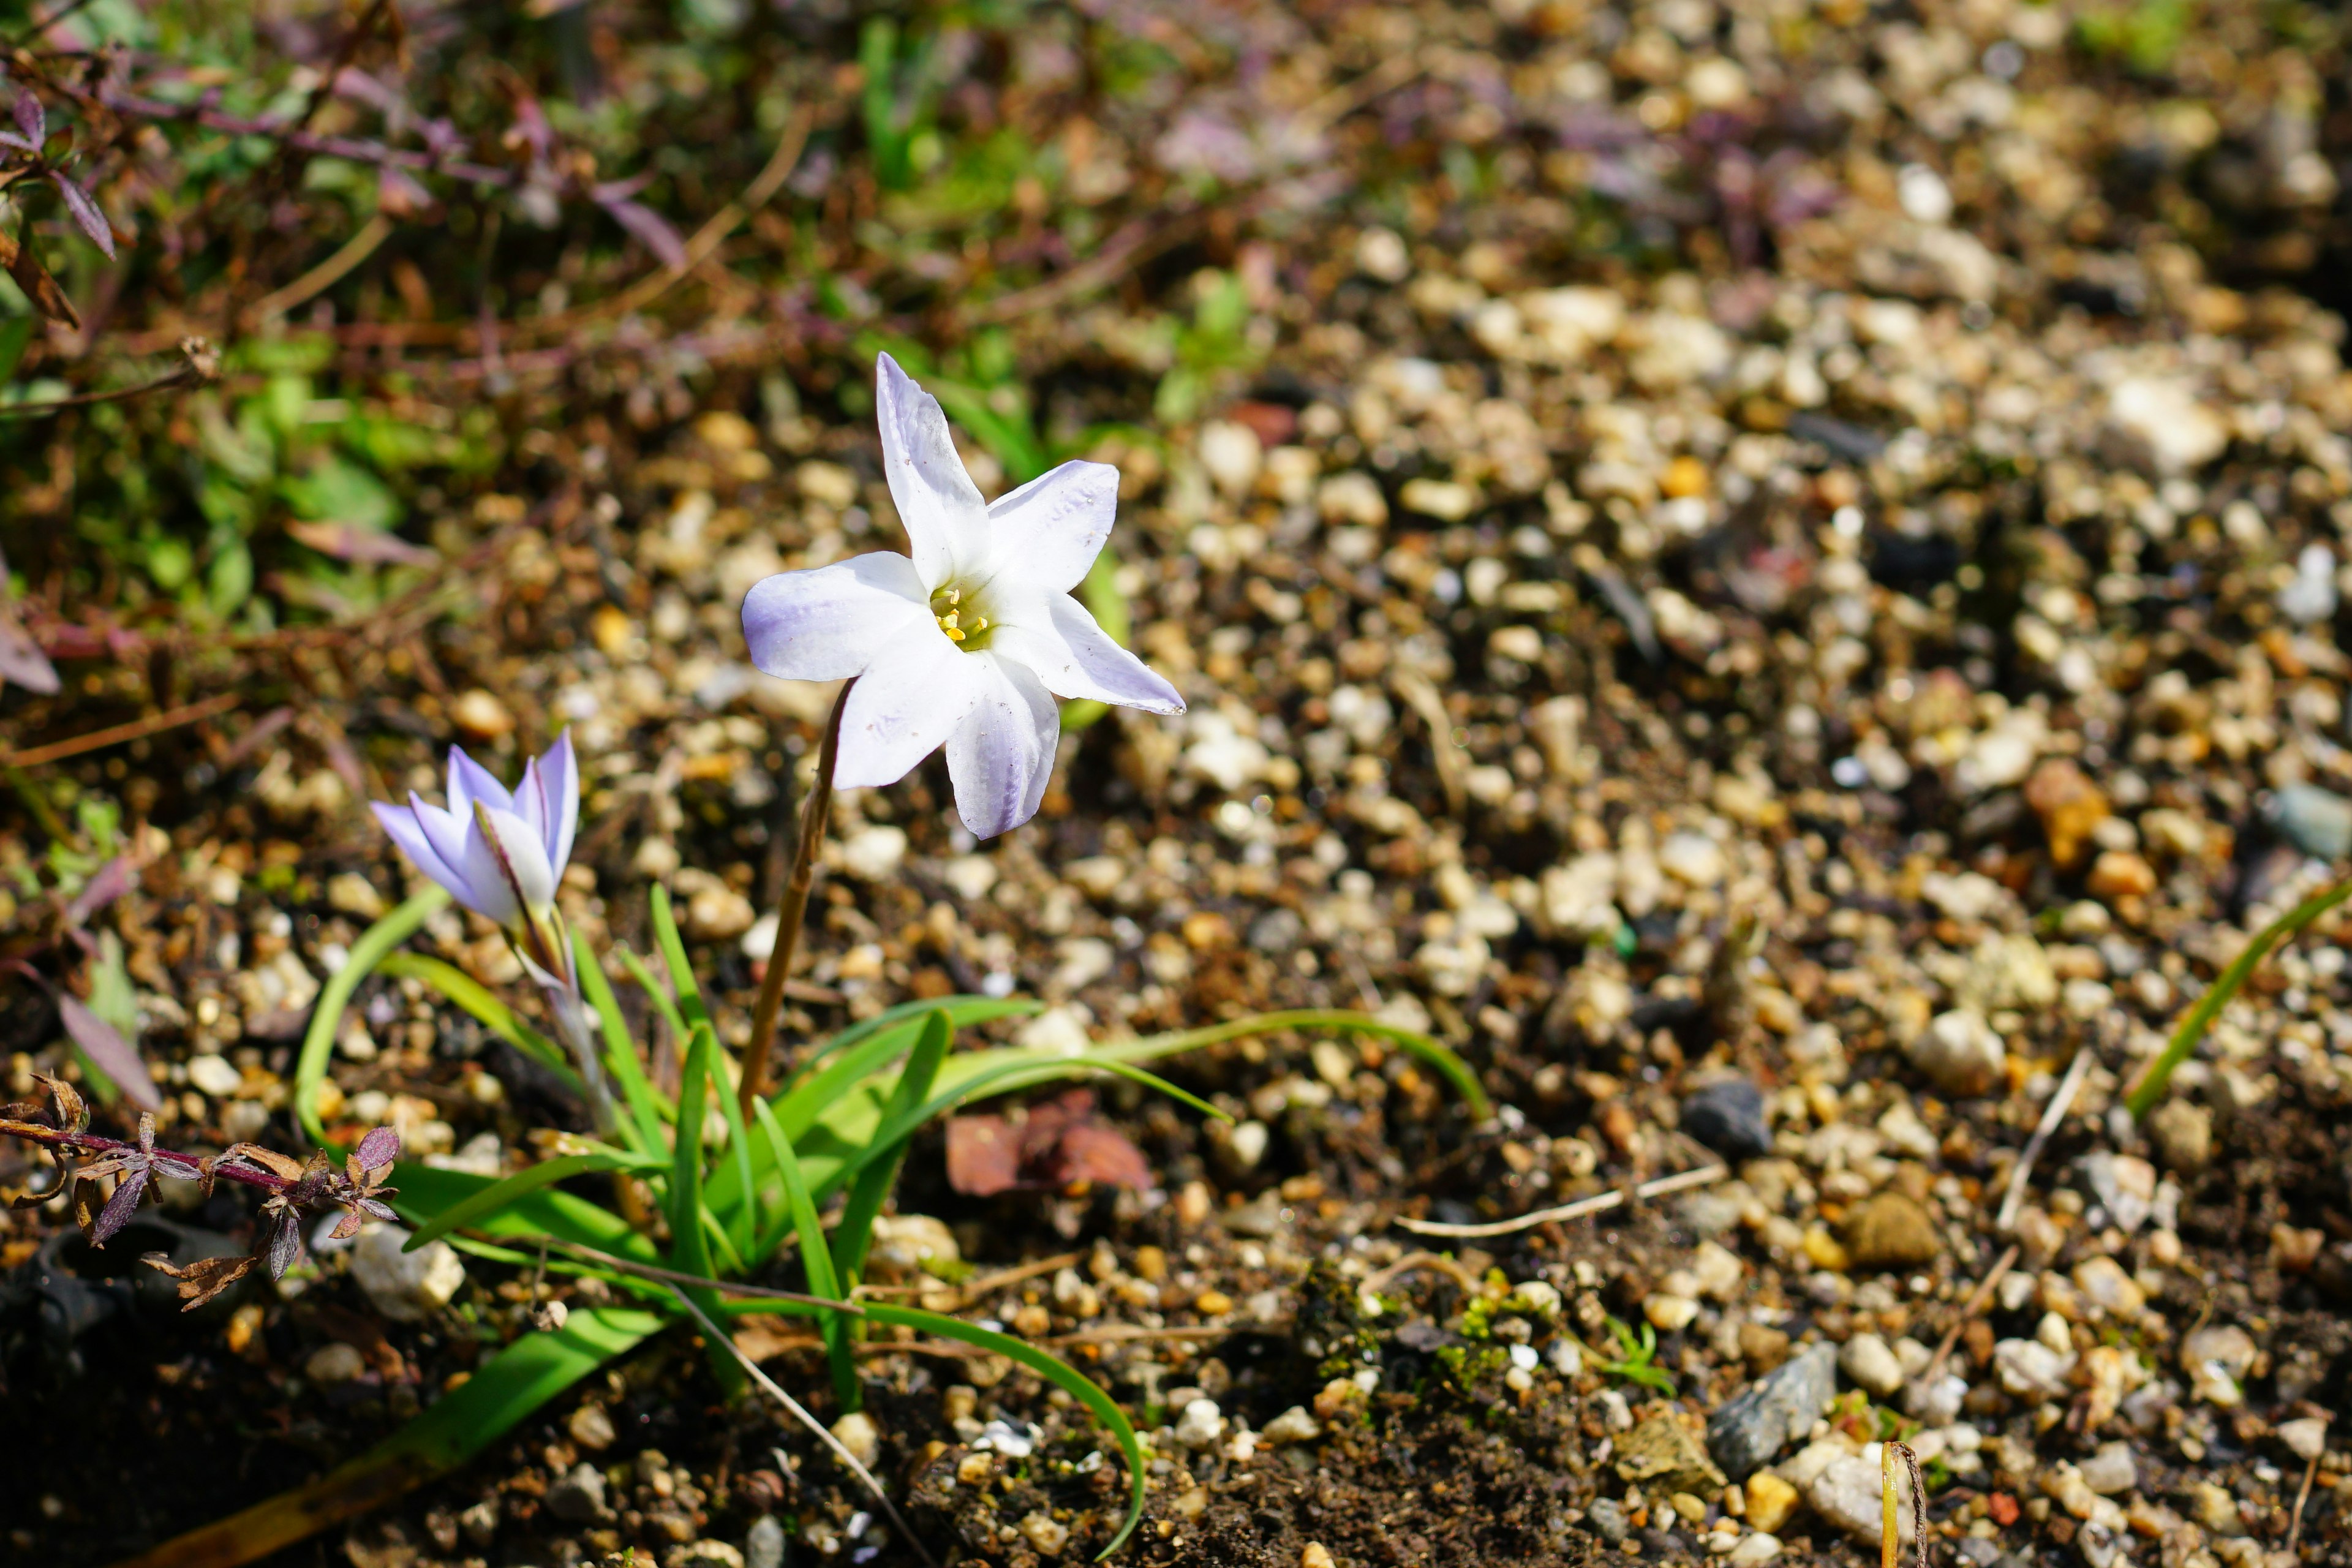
2121	874
1891	1231
2069	804
481	716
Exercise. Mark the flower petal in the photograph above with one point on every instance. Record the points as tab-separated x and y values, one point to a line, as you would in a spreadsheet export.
557	776
447	832
829	624
946	520
1001	755
904	708
515	869
401	823
470	782
1076	657
1048	532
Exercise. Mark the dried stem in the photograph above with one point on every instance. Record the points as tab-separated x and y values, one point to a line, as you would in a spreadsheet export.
2059	1103
1974	1304
792	908
800	1412
1576	1210
137	729
202	369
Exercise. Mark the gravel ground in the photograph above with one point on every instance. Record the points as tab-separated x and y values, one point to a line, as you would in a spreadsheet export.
1785	601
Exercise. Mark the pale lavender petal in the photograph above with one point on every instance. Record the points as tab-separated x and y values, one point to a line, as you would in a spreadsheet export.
1001	756
1076	657
445	832
548	799
905	707
829	624
525	856
406	829
1048	532
470	782
946	520
488	891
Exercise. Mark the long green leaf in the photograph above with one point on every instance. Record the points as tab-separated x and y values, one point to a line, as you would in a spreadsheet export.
2200	1018
619	1050
471	1212
475	999
877	1042
318	1041
797	1108
854	1232
816	1258
1054	1370
963	1011
500	1394
673	952
690	1242
735	1201
1455	1071
425	1193
644	977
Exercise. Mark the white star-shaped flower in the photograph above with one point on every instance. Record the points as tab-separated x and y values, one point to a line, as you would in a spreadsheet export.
967	644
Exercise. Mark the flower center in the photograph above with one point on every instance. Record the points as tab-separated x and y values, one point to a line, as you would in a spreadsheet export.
962	618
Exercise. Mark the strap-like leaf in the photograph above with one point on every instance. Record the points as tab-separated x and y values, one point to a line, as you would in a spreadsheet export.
1052	1368
479	1211
426	1192
689	1241
319	1042
855	1232
620	1051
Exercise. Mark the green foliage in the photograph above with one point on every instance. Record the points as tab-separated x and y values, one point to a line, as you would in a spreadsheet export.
2200	1018
2145	36
734	1200
898	101
1636	1359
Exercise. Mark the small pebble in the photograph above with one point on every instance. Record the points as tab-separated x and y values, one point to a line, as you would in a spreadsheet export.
333	1364
857	1433
1871	1363
1728	1116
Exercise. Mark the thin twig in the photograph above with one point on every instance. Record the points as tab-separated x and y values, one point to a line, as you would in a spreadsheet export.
801	1413
704	240
1974	1304
973	1289
325	275
1412	1260
726	1286
2302	1496
192	374
1577	1210
2059	1103
137	729
792	908
1126	1333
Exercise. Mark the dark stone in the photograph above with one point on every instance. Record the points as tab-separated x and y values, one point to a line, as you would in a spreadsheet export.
1749	1431
1728	1118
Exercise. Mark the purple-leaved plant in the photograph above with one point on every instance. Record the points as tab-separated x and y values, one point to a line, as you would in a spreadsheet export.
295	1188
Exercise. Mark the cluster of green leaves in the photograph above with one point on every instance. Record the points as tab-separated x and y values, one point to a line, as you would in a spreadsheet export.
280	480
1636	1359
2145	36
736	1196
